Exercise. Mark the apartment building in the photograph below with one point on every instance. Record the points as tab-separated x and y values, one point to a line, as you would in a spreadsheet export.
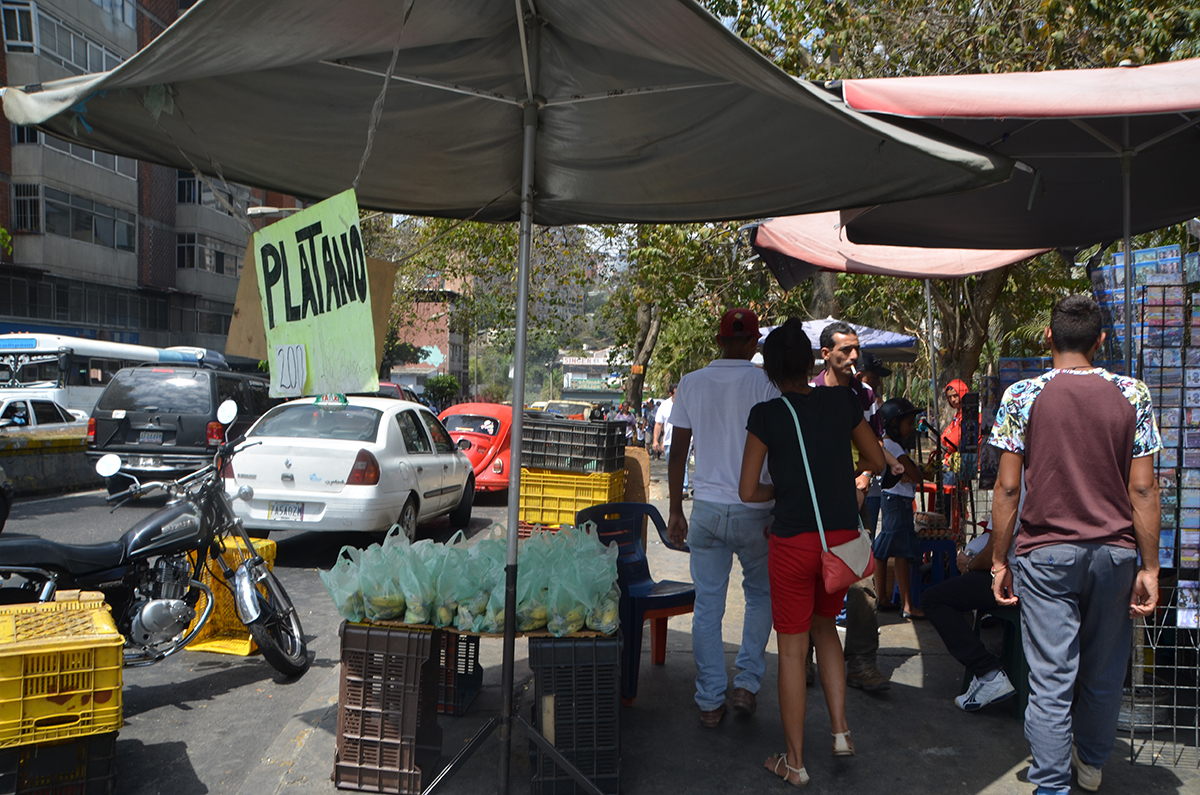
106	246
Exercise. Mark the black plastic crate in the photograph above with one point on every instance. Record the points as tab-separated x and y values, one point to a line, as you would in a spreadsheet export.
577	707
460	676
81	766
572	445
388	736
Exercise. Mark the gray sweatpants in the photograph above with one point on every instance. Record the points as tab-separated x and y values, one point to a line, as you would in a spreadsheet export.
1076	628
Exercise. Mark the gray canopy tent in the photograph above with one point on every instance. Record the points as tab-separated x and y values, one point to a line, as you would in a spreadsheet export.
542	111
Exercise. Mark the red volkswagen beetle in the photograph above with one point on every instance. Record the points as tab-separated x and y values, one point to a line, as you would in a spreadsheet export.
482	431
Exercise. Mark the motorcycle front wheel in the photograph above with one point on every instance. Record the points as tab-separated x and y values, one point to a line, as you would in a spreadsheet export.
277	629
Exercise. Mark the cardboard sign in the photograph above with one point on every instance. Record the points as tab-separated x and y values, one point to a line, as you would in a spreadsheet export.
315	293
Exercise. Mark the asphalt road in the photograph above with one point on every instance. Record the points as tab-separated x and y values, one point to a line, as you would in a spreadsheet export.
201	723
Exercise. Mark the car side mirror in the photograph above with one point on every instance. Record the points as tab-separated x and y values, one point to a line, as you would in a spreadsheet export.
5	423
227	412
464	444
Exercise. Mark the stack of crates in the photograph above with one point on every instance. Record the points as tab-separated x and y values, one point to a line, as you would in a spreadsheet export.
60	696
569	465
388	735
577	708
460	676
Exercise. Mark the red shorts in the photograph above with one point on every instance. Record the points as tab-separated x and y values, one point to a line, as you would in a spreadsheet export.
797	587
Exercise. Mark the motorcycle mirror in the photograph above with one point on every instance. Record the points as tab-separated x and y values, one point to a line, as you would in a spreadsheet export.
108	465
227	412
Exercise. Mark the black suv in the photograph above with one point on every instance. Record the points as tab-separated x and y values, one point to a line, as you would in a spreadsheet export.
162	421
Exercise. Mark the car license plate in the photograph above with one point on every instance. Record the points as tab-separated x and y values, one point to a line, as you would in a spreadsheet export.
286	511
146	461
150	437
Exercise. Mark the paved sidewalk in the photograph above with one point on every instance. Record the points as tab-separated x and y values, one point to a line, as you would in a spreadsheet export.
911	739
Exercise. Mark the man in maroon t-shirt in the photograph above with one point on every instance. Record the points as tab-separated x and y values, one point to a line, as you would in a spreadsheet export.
1086	439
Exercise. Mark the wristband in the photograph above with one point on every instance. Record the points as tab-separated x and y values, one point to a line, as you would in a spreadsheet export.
997	569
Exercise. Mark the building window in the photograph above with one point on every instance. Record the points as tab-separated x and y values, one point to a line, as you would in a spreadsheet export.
18	27
185	251
89	221
190	190
27	208
70	48
122	10
25	135
122	165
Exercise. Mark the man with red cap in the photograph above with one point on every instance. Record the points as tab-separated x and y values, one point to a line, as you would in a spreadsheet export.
710	409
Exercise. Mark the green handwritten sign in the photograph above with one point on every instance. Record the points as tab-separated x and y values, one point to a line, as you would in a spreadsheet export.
312	279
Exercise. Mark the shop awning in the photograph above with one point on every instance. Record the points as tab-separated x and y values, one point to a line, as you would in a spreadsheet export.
796	246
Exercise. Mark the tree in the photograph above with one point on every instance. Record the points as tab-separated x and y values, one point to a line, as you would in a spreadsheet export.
441	389
928	37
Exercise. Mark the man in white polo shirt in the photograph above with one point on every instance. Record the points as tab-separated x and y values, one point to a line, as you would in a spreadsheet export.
710	409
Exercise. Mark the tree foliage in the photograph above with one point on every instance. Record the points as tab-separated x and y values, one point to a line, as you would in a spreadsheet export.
442	389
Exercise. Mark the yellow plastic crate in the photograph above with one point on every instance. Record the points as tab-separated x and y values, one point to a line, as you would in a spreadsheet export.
225	633
549	497
60	670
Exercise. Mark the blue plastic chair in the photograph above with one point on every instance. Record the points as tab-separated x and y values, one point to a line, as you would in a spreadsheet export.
642	598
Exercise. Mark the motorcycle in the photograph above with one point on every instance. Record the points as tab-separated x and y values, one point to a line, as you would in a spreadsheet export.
146	575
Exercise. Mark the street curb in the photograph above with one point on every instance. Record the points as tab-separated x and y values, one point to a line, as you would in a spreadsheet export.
270	775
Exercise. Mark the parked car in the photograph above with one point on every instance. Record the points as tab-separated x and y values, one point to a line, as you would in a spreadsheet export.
162	421
483	432
6	497
356	463
20	412
569	409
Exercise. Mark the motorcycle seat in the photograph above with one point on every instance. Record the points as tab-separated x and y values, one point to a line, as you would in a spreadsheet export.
77	559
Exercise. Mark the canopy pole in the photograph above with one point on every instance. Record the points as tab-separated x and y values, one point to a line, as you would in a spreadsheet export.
525	246
1127	222
932	353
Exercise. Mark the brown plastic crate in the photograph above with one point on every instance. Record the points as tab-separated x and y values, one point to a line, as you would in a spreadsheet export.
460	676
80	766
388	736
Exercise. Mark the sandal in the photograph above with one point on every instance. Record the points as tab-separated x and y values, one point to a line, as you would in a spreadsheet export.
800	772
843	745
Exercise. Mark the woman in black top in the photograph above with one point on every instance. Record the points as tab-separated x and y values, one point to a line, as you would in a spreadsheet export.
831	420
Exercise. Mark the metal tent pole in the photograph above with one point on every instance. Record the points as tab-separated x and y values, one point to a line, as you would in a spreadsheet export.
937	422
530	48
1127	222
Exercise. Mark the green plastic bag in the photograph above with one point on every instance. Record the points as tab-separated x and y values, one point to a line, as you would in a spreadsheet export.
342	583
534	570
412	573
383	598
489	559
451	580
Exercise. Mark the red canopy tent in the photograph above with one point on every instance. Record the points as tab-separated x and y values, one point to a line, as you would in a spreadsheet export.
1101	154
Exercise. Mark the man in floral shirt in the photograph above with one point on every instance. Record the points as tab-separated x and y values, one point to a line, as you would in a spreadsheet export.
1086	439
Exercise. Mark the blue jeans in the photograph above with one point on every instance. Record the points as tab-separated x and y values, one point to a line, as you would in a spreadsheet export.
667	458
717	532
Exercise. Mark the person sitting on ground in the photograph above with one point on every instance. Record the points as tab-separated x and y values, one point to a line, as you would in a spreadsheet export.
898	537
830	418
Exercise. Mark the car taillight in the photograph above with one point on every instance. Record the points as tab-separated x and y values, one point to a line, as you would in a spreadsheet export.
498	466
215	434
365	471
91	430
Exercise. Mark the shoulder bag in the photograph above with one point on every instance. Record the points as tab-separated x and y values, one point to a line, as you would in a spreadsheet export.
847	563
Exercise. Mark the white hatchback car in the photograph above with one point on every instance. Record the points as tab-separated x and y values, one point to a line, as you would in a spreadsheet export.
363	464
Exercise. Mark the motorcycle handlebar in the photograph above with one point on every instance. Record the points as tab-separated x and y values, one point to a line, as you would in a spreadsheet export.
136	490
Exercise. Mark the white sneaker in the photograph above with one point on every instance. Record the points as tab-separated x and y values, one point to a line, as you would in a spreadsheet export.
1088	776
980	694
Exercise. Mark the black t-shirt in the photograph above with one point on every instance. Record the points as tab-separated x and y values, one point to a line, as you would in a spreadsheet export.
827	417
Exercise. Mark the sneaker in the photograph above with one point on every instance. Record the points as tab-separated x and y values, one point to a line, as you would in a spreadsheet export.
1088	776
865	676
980	694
